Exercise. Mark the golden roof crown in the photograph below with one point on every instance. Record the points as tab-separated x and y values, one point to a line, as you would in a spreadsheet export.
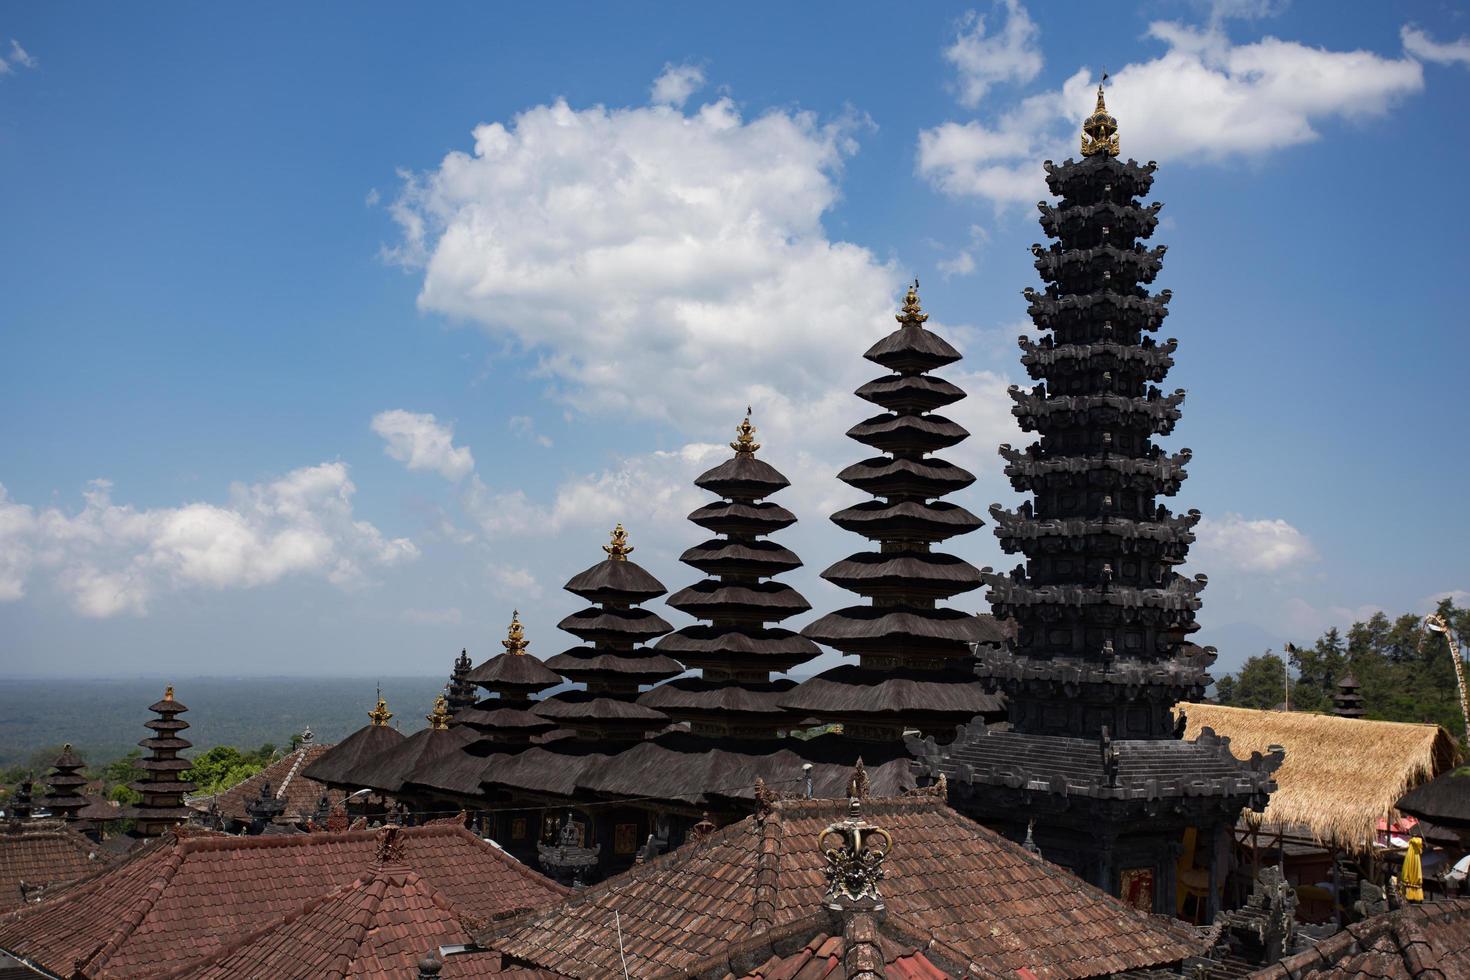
168	693
380	714
911	312
438	719
619	549
745	444
515	638
1100	131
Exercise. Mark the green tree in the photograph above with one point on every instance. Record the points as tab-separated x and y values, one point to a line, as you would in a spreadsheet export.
1259	683
1318	669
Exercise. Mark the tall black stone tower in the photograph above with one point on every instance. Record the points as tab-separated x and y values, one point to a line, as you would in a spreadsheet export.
1094	755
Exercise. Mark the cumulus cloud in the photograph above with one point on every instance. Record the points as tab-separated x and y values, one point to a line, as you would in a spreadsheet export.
421	442
1266	95
515	584
660	263
676	85
1422	46
982	58
111	558
1264	545
525	427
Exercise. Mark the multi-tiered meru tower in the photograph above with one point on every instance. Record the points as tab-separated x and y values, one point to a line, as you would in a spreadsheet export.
913	669
1094	754
737	650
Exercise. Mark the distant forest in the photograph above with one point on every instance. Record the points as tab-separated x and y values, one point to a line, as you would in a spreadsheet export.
1405	671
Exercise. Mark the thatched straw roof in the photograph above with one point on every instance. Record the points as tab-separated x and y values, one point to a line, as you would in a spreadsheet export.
1341	775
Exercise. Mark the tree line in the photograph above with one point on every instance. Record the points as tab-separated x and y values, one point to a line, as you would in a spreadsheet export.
1405	672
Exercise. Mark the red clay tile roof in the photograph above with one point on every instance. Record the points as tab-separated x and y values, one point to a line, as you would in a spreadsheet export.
963	889
823	959
45	855
181	899
379	925
299	793
1415	943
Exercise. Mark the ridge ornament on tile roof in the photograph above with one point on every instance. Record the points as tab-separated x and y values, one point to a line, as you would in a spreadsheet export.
854	850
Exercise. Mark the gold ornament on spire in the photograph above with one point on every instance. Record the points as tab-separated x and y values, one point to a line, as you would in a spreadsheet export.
911	312
745	444
168	693
1100	131
438	719
620	549
515	641
380	714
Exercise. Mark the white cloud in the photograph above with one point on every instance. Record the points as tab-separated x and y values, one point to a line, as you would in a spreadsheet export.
1009	54
1422	46
1459	597
514	584
676	85
962	263
432	617
111	558
18	56
1205	98
525	427
1301	618
1265	545
662	264
420	442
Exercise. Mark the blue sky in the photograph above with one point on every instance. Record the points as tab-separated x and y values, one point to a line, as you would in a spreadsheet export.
333	334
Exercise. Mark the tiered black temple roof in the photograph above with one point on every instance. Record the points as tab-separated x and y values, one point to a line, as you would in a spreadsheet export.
1094	754
402	761
913	653
65	784
612	665
344	763
461	690
737	651
163	788
512	677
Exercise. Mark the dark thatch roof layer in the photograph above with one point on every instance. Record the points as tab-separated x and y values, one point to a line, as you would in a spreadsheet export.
742	517
910	393
910	349
726	556
770	648
908	520
908	433
615	581
886	477
918	573
514	670
614	625
1444	800
899	693
758	602
895	629
684	697
389	770
742	477
338	765
642	666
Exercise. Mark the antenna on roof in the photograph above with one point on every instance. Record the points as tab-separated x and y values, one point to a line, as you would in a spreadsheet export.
618	921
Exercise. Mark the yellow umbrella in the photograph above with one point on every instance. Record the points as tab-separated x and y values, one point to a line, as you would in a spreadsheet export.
1411	878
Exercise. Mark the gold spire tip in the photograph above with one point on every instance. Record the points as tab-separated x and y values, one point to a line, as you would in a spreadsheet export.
745	444
515	641
911	312
438	719
619	549
168	693
380	714
1100	130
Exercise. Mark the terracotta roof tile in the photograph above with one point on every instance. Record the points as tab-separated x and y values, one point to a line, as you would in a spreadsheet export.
1420	941
949	881
45	855
299	792
181	899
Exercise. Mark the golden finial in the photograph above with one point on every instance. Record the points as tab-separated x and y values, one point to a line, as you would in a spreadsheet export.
911	312
168	693
515	638
438	719
1100	131
745	444
620	549
380	714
